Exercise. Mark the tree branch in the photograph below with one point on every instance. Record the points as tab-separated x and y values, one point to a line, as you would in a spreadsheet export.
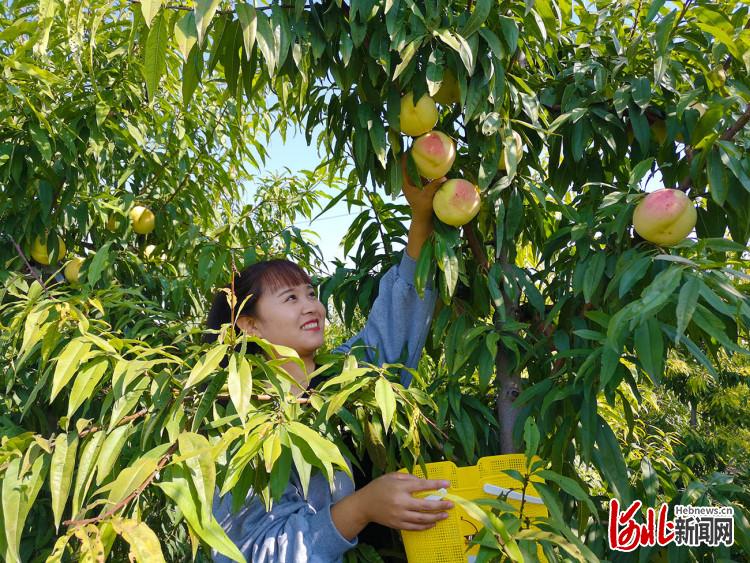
28	265
159	466
86	431
729	134
476	247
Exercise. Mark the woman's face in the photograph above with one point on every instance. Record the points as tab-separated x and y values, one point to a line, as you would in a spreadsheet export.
289	316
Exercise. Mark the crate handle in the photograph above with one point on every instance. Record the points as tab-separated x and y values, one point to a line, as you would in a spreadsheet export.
511	494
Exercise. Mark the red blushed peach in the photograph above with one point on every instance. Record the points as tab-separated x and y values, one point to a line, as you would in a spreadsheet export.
456	202
665	217
433	153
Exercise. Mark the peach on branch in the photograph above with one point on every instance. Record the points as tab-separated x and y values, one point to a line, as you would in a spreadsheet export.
420	118
40	252
448	93
456	202
142	219
72	269
665	217
433	153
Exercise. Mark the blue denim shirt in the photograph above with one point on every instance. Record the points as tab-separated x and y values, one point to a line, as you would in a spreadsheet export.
299	530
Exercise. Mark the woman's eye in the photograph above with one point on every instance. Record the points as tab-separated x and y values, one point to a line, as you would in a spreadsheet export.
291	297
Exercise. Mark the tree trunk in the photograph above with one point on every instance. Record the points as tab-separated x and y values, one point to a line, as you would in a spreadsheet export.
508	388
508	380
693	414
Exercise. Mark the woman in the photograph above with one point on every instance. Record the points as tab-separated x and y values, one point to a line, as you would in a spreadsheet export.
284	309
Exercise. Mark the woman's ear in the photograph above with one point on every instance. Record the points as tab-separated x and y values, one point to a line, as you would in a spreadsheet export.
247	325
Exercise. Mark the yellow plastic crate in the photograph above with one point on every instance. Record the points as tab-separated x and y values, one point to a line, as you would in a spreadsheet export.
448	540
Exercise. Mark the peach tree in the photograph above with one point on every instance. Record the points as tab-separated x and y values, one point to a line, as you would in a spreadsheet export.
554	320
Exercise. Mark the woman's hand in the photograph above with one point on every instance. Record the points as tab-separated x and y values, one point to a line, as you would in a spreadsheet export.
388	501
420	199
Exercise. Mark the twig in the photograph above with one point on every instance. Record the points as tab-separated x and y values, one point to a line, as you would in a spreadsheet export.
476	247
28	265
159	466
298	400
729	134
635	20
125	420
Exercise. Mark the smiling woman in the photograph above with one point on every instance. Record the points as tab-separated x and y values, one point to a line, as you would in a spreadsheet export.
276	301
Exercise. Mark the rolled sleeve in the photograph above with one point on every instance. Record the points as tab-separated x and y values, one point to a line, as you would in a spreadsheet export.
398	324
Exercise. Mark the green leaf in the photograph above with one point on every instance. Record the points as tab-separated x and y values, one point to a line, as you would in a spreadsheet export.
325	450
386	400
191	75
687	302
129	479
149	9
186	33
155	62
594	273
85	470
206	366
478	17
458	44
61	472
42	142
531	437
240	384
74	353
98	263
570	486
204	13
19	491
649	347
110	451
266	41
641	89
144	544
249	23
718	180
177	487
609	461
85	384
407	54
201	467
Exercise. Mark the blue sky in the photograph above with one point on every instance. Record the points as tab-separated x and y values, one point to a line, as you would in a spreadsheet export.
296	155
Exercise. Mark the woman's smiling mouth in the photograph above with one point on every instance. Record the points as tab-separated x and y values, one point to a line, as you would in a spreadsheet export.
311	325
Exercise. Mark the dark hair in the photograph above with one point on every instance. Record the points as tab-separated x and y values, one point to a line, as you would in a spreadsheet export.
249	286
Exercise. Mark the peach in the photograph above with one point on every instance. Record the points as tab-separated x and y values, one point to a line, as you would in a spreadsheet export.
448	93
72	269
456	202
417	119
41	253
142	219
433	153
665	217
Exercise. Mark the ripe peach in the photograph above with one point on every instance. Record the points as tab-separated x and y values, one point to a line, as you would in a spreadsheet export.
433	153
142	219
665	217
456	202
